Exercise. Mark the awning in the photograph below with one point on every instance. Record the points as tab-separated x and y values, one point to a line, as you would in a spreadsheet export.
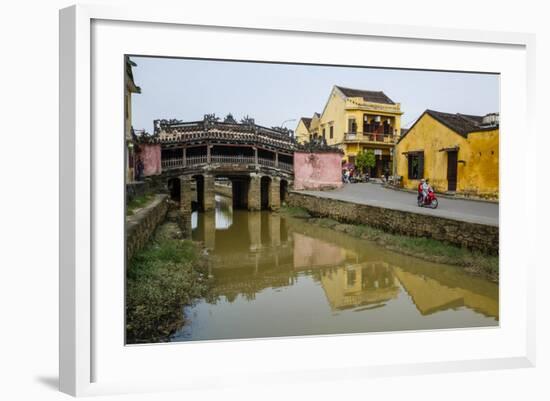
453	149
412	152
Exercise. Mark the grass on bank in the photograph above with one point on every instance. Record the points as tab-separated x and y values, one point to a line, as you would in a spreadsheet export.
138	203
421	247
166	275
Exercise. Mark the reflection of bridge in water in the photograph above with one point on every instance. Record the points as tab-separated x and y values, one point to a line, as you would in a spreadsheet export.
261	250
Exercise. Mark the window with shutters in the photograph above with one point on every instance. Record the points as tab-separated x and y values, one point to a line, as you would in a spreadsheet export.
352	125
331	131
416	165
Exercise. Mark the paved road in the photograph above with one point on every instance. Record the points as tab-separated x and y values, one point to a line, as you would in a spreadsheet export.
376	195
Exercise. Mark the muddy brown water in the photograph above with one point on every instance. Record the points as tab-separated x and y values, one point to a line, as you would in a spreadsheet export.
279	276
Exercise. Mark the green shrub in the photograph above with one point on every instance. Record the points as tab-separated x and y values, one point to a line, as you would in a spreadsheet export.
160	280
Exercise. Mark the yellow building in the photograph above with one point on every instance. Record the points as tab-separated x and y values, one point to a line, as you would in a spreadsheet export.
357	120
457	152
308	128
129	88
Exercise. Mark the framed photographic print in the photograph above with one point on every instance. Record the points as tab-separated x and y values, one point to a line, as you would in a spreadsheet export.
243	194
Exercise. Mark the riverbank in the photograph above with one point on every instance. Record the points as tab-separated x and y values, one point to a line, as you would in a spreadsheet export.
464	224
429	249
166	275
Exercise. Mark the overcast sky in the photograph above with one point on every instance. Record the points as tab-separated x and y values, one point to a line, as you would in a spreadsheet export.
273	93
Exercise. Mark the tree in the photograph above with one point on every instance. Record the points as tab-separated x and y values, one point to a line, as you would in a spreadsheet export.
365	160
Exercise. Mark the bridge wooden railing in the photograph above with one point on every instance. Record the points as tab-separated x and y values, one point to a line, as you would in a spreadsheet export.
169	164
230	159
286	166
194	160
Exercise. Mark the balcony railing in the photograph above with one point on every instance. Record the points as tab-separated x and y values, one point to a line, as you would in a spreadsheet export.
369	137
169	164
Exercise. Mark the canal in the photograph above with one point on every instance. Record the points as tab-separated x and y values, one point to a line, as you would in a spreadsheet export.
281	276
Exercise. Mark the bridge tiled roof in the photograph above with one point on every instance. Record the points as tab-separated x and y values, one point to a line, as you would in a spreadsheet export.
174	132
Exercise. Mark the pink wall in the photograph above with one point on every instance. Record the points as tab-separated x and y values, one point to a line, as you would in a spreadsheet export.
150	154
317	170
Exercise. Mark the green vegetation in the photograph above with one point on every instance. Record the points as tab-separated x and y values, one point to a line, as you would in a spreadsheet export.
138	203
420	247
297	212
162	278
365	160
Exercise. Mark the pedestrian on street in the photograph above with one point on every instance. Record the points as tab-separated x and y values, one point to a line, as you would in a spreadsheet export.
140	168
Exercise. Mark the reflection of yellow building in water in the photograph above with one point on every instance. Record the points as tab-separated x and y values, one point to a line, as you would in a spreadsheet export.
430	296
359	285
375	283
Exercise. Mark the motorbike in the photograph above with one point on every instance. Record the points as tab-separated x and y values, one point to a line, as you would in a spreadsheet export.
430	201
359	178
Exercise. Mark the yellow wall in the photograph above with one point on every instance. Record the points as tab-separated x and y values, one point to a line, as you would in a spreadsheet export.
478	157
314	125
481	169
334	114
301	132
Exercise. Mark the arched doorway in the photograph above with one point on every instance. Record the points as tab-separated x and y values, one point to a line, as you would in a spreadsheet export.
265	190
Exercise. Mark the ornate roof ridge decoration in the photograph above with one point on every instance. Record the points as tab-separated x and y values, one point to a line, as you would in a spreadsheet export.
143	137
173	131
317	146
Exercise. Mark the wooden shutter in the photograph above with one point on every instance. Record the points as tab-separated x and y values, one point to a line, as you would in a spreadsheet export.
409	166
421	165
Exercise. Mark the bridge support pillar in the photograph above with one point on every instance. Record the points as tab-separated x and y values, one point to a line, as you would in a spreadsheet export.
210	230
275	229
255	231
254	193
186	199
209	200
275	194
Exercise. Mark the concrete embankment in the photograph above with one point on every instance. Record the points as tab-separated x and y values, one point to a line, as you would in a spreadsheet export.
479	237
143	223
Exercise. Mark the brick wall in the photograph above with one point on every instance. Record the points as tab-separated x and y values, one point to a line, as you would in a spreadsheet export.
141	225
484	238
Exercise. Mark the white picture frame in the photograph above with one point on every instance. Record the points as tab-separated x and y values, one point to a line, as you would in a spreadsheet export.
82	343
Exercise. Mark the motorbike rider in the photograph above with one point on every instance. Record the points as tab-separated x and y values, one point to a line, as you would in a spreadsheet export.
425	189
420	188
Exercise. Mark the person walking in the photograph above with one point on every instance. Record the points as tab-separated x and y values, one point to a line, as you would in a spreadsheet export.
140	167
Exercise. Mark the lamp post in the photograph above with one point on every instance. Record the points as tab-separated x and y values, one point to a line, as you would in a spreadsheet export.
287	121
